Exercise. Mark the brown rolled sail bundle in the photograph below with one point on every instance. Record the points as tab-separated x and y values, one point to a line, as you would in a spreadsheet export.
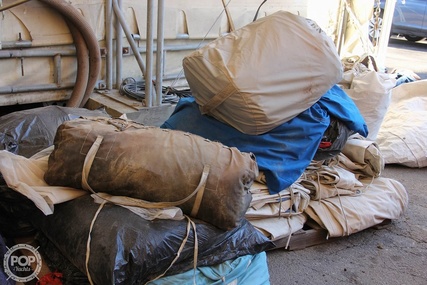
206	179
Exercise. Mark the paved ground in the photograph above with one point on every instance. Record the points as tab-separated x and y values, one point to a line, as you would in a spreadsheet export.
402	54
394	255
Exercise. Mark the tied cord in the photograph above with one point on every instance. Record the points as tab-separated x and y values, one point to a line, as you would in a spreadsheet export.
127	201
190	224
89	240
133	202
287	217
346	232
319	183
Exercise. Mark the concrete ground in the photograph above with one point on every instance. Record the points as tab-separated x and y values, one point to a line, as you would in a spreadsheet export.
404	55
395	254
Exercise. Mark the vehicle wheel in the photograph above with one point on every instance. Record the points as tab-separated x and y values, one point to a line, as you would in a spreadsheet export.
375	25
413	38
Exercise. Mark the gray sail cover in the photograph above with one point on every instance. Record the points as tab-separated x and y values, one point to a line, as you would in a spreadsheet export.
265	73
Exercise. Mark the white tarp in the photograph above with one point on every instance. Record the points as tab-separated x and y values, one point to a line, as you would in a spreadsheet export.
25	175
402	138
381	199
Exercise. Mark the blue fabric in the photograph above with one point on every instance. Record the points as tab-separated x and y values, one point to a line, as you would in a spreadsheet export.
339	105
247	269
282	153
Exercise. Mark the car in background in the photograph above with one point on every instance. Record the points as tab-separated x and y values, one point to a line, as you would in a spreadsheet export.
409	20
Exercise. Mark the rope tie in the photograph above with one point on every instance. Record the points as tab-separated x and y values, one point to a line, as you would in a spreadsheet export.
370	183
128	201
190	224
290	230
134	202
346	232
89	240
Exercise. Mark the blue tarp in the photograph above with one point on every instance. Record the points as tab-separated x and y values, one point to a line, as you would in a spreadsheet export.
339	105
284	152
248	269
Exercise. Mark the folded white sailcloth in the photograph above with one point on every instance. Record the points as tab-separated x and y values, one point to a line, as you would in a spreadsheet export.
381	199
25	175
325	181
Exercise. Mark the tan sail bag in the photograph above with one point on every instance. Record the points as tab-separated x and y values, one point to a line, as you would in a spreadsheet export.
265	73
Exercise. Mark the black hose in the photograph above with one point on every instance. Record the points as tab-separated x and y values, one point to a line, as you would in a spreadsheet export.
257	11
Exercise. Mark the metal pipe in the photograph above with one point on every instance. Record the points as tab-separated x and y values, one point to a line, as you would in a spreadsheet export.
57	73
363	38
342	25
37	52
182	36
16	44
109	43
159	54
381	48
173	48
128	33
149	54
33	88
171	76
117	6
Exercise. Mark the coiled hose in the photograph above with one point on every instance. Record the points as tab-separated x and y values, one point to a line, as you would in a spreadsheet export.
136	90
82	77
74	18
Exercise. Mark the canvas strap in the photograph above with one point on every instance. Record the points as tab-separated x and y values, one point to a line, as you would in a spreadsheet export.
217	100
134	202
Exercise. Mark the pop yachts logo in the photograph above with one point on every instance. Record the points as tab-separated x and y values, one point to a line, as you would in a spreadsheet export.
22	262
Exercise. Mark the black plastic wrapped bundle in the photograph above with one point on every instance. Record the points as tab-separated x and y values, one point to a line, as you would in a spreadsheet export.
127	249
29	131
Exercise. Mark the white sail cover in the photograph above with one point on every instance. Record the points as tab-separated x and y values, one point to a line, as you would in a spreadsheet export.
265	73
402	137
